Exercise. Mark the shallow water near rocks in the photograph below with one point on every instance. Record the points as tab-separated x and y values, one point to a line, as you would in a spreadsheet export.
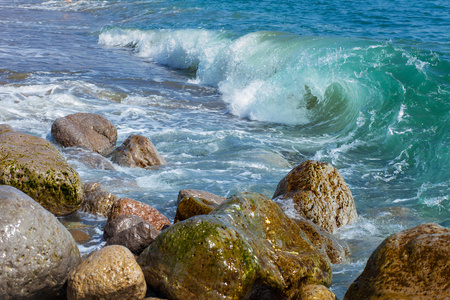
235	94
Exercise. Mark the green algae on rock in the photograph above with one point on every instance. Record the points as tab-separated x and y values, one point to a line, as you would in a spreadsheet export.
34	166
247	248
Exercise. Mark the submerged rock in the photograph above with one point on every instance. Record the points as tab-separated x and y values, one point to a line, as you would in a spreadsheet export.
97	200
411	264
35	166
245	249
87	131
319	193
88	159
38	253
131	232
109	273
137	151
126	206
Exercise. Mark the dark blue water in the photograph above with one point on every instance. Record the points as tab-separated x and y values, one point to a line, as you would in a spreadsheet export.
234	94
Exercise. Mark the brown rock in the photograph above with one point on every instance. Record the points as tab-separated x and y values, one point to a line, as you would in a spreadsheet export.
34	166
126	206
79	236
131	232
199	194
336	249
411	264
192	206
4	128
87	131
109	273
137	151
97	200
319	193
316	292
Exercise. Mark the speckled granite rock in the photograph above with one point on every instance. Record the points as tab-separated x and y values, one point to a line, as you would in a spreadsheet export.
35	166
319	193
87	131
126	206
411	264
109	273
245	249
37	252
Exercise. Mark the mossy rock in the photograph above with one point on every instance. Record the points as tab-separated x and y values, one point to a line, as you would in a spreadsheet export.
193	206
34	166
245	249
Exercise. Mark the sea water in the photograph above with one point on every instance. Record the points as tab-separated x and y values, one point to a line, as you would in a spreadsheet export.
234	94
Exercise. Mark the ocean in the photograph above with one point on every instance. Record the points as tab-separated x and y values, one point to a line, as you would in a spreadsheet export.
235	94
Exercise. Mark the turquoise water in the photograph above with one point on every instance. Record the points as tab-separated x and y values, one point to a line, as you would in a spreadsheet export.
235	94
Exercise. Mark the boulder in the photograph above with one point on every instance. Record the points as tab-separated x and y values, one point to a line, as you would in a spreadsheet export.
131	232
37	252
88	159
319	193
192	206
411	264
97	200
245	249
4	128
109	273
85	130
210	197
34	166
137	151
315	292
126	206
336	249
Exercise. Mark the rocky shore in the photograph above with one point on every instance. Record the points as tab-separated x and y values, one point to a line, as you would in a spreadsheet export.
241	247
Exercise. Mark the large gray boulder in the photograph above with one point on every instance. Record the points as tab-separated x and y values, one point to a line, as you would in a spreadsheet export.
87	131
34	166
37	252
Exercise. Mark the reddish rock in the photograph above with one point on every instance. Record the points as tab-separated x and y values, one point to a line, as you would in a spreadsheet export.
411	264
319	193
126	206
87	131
97	200
137	151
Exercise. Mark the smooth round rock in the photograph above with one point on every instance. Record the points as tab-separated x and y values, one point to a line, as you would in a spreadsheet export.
37	252
110	273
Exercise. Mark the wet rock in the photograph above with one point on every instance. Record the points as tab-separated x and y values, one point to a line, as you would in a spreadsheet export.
37	252
245	249
192	206
79	236
319	193
109	273
131	232
126	206
87	131
88	159
316	292
336	249
35	166
137	151
4	128
97	200
210	197
411	264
